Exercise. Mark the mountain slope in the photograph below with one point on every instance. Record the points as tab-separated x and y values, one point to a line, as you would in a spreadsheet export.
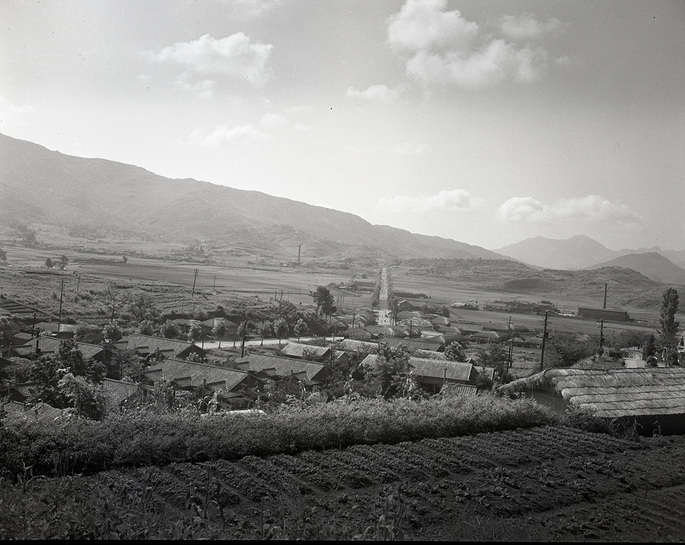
39	185
653	265
574	253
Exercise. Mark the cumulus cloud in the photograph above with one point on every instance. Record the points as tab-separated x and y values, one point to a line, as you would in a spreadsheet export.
375	93
454	200
239	135
234	56
442	48
203	88
593	208
527	27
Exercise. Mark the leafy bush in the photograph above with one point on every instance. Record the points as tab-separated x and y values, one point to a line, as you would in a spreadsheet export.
143	438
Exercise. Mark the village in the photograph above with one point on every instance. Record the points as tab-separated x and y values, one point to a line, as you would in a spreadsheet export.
218	366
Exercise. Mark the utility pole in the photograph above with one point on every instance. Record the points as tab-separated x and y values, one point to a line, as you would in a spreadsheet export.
601	336
511	345
59	320
194	279
544	338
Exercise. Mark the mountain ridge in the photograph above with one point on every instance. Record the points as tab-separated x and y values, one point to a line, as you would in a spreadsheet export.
40	185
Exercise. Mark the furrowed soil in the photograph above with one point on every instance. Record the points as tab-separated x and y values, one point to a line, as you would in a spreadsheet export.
538	484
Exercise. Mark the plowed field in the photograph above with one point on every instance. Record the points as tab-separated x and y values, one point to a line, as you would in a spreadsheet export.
547	483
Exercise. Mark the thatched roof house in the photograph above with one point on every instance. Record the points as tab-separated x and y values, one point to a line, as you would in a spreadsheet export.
653	397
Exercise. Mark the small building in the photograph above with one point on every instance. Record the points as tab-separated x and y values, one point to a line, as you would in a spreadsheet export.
431	374
653	398
308	372
49	346
150	347
306	351
188	375
486	337
610	315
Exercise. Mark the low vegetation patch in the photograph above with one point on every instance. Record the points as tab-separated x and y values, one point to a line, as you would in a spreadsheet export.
141	438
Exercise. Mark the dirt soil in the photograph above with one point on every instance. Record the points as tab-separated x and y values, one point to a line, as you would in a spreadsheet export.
539	484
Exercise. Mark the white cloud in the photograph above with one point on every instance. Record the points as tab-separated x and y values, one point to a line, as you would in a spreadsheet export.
273	120
441	48
408	148
593	208
10	112
424	25
234	56
455	200
239	135
203	88
527	27
375	93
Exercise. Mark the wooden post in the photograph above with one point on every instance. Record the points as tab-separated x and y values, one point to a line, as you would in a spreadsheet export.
544	338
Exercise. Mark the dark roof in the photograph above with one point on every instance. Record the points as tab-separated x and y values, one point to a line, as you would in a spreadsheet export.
186	374
282	367
117	391
50	345
149	344
612	393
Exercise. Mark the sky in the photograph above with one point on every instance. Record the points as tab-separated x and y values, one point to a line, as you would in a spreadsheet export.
487	122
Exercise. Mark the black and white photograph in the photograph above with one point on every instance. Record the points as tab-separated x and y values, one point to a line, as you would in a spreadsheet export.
351	270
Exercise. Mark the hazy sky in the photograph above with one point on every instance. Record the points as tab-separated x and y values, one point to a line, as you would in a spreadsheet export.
483	121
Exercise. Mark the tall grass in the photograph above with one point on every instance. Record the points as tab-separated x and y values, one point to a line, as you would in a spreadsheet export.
144	438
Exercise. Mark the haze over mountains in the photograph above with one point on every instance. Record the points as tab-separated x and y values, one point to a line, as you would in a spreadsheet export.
99	198
582	252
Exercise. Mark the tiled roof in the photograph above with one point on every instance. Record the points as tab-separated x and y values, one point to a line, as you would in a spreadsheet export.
37	411
50	345
117	391
298	350
194	374
441	369
150	344
275	366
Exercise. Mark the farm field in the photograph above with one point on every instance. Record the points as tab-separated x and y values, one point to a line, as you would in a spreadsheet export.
536	484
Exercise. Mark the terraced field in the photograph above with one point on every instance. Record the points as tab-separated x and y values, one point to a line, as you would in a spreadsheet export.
539	484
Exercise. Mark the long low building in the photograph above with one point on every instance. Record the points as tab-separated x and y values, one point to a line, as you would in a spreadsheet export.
653	397
608	314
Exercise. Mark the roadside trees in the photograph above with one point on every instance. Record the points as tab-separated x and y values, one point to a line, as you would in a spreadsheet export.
264	328
219	329
170	330
325	303
454	352
280	329
300	328
194	331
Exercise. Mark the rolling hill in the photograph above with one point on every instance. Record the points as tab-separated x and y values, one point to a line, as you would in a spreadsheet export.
582	252
653	265
100	196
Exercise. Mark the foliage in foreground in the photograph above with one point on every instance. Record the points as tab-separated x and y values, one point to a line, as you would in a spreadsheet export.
142	438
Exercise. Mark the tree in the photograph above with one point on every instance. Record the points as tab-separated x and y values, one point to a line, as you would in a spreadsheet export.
112	300
454	352
170	330
143	308
325	303
649	348
146	327
390	373
300	328
194	331
48	263
63	262
669	326
219	329
112	332
3	255
6	331
280	329
264	328
124	259
88	399
495	357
